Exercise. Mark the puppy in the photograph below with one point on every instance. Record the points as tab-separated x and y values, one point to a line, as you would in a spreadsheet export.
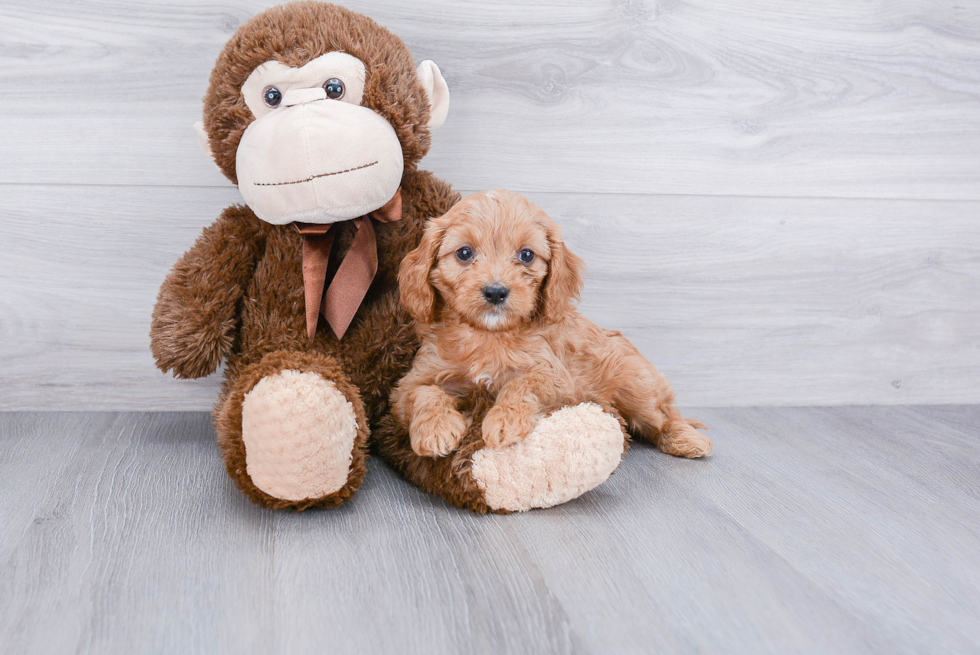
492	287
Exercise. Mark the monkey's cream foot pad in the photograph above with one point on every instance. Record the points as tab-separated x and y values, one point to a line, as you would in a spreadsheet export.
299	432
568	453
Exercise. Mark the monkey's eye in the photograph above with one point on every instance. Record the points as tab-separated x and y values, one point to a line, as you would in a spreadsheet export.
272	96
526	256
464	254
335	88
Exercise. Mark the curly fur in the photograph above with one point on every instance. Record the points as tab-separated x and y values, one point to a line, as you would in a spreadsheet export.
237	295
534	352
449	477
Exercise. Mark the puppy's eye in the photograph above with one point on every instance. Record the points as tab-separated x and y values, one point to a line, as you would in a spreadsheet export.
334	88
526	256
464	254
272	96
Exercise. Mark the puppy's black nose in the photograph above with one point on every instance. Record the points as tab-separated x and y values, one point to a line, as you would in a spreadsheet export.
495	293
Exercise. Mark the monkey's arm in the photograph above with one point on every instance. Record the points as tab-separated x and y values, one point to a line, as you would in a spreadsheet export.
195	320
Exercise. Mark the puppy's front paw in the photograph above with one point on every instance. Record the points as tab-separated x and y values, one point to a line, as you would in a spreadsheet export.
508	424
437	433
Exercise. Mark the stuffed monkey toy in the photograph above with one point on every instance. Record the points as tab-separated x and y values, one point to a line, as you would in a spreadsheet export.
320	117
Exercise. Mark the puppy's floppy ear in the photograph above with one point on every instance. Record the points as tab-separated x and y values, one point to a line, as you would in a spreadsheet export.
417	293
563	283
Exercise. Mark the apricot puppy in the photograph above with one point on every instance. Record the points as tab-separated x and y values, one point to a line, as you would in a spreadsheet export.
492	287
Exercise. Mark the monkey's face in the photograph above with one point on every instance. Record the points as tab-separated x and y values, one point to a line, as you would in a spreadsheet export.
316	112
313	153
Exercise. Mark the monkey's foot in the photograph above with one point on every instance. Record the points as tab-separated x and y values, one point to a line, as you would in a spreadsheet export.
299	432
568	453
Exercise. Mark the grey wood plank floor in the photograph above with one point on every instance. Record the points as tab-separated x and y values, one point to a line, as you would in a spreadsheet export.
823	530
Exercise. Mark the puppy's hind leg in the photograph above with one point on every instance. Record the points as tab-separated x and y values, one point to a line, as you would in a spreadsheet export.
646	401
680	437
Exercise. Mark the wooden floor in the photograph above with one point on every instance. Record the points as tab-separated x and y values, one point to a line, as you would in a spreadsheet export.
823	530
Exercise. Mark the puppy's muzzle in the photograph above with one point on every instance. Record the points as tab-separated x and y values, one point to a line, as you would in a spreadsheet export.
496	293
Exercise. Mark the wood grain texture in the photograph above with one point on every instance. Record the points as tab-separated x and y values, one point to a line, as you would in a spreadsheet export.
739	301
810	530
840	98
894	491
698	152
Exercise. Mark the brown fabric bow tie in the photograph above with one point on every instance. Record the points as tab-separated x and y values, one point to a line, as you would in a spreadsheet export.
354	275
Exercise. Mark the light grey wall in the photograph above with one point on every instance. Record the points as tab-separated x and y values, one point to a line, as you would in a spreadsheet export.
779	201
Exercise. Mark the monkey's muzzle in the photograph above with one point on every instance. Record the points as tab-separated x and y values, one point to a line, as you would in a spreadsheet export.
316	160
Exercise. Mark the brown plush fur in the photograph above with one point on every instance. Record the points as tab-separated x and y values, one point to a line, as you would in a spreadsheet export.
295	34
534	352
228	421
237	294
448	477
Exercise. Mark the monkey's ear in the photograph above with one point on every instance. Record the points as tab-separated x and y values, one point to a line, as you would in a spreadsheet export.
202	139
438	91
